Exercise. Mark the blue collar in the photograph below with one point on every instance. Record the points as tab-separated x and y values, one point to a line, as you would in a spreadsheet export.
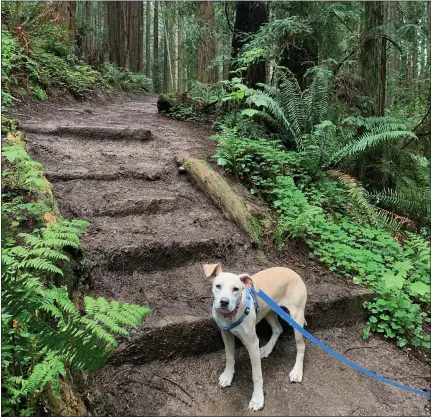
249	295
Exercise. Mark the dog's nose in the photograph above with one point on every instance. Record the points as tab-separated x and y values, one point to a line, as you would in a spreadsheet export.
224	302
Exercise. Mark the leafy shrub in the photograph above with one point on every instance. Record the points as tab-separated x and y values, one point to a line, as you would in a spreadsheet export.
319	209
38	93
124	79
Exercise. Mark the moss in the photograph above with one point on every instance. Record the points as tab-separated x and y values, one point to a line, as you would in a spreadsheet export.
255	229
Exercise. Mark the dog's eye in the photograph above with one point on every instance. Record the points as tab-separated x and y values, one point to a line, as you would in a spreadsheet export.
218	286
235	289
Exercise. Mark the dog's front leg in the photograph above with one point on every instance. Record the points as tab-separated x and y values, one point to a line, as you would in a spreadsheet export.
229	344
257	399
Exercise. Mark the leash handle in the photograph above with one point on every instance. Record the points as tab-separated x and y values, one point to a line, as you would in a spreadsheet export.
286	317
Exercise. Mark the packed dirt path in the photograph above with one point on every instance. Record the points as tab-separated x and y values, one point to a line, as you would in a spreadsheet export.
113	163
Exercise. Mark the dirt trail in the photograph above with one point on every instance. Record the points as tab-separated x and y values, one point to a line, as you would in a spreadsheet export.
150	232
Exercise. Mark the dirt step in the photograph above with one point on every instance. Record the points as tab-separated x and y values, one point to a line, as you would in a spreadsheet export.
180	299
130	242
89	198
90	132
144	171
189	387
154	255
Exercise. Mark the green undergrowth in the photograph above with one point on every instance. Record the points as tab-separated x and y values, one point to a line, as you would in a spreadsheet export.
316	207
49	62
43	332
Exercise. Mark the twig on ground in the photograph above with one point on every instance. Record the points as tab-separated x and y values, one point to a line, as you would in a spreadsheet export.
362	347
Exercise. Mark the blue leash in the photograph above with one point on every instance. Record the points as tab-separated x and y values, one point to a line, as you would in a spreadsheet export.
286	317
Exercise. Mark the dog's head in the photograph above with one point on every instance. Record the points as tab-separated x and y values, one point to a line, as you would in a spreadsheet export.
227	287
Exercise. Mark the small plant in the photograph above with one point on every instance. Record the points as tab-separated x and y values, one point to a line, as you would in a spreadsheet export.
124	79
38	93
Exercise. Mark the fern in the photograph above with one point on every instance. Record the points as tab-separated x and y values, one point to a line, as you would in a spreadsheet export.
360	207
370	140
414	201
42	318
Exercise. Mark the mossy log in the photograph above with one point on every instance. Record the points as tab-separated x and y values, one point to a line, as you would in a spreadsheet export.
67	403
253	219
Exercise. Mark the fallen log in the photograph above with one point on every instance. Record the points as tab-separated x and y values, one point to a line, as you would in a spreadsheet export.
253	218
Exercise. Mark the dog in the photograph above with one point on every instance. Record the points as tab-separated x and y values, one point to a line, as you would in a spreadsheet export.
237	310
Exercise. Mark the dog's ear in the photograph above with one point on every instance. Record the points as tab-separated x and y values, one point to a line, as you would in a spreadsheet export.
246	280
212	270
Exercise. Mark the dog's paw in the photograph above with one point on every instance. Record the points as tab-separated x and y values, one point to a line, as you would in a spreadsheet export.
295	375
265	351
225	379
256	403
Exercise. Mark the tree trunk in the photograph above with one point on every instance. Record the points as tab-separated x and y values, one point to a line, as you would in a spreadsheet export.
148	41
207	44
179	61
139	13
250	16
166	81
64	14
125	34
156	62
372	57
172	66
373	73
391	16
88	44
114	31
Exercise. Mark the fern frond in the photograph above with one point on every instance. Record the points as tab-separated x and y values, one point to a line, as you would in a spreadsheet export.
414	201
368	141
291	100
275	111
50	254
317	97
360	207
41	265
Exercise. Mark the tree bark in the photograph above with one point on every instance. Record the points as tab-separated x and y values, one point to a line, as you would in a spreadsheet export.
166	81
125	34
207	44
156	62
114	31
372	63
179	61
64	14
148	41
250	16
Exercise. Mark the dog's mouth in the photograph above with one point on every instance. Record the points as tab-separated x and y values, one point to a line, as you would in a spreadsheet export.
225	312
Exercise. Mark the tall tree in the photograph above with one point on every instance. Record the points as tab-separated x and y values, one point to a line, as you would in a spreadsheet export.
250	16
207	44
114	31
179	51
148	40
64	14
373	58
166	57
156	62
125	34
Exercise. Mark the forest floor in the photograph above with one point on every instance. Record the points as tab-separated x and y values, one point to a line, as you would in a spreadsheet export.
112	162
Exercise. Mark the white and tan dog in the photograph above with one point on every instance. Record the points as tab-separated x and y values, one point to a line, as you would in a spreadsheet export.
235	313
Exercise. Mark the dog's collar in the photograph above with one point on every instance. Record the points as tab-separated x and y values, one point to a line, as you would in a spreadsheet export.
249	295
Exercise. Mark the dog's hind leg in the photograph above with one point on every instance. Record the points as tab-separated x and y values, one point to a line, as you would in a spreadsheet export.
296	373
272	320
